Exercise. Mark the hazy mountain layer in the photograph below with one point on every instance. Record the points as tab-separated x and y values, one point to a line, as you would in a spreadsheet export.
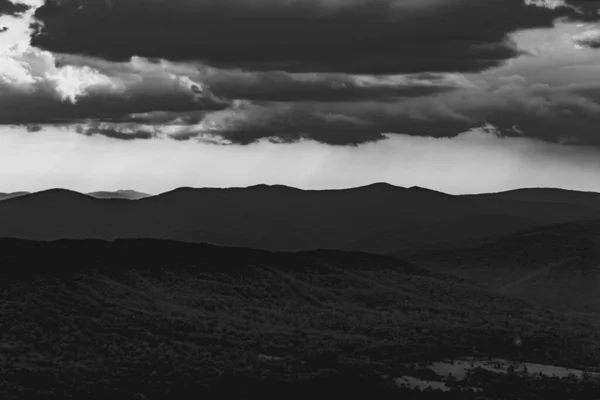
4	196
379	218
119	194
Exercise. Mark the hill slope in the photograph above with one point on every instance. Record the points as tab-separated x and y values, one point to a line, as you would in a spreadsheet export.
547	195
98	319
378	218
555	265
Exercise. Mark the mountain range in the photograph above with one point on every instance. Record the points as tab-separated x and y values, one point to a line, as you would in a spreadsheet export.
103	294
538	245
378	218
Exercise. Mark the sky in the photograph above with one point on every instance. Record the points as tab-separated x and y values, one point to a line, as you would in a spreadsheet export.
462	96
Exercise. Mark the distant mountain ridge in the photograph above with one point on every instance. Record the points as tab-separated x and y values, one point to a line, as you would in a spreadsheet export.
119	194
378	218
4	196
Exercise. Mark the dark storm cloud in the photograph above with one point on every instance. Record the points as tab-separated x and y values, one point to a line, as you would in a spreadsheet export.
340	72
329	123
298	124
584	3
14	9
279	86
130	131
97	129
351	36
33	128
145	100
286	87
559	115
166	117
553	114
47	108
591	41
34	90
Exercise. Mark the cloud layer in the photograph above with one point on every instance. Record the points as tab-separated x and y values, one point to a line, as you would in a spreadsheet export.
344	36
35	90
14	9
340	72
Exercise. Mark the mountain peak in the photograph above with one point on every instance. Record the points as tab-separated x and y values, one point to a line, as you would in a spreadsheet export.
58	192
272	187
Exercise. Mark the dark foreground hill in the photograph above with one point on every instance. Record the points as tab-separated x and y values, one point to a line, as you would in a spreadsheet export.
378	218
556	265
159	320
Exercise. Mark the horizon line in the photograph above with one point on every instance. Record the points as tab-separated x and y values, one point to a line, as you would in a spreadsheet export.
22	193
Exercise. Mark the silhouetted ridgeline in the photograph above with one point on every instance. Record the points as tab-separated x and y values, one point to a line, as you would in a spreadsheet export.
160	319
378	218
